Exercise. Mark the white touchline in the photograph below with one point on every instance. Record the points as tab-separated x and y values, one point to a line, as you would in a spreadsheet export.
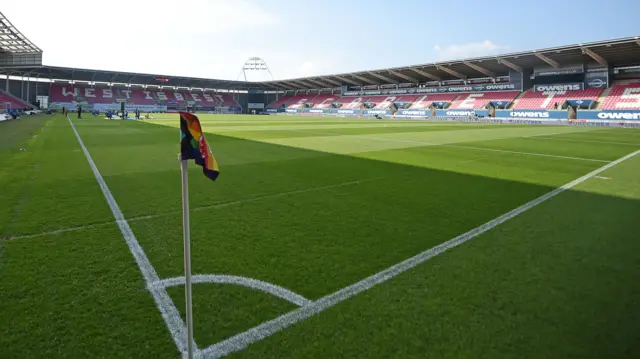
547	134
201	208
589	141
242	340
528	153
470	147
57	231
164	303
258	198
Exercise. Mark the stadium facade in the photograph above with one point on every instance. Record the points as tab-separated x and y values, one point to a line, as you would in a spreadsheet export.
597	80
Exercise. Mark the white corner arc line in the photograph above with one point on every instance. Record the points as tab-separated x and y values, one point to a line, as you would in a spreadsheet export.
257	284
266	329
165	305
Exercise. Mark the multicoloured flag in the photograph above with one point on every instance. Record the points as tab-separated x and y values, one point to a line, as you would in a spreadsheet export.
193	145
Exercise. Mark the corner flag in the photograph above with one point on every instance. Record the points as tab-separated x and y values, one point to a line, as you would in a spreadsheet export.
194	146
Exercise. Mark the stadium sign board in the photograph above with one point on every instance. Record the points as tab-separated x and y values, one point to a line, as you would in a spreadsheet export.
559	87
510	86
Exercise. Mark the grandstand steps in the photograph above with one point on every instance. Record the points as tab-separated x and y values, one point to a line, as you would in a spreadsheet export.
602	97
515	100
17	99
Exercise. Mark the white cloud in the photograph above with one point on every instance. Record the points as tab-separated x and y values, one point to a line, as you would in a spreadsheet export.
474	49
200	38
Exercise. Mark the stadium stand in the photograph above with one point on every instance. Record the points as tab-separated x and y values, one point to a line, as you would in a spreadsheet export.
350	102
437	84
10	101
142	97
424	101
380	102
279	102
323	100
537	100
478	100
623	97
75	93
298	101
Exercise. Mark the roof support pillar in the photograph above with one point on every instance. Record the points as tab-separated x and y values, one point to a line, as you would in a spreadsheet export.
480	69
548	60
599	59
451	72
510	65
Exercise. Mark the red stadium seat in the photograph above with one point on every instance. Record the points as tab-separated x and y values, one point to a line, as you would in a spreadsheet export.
424	101
478	100
531	100
13	102
623	97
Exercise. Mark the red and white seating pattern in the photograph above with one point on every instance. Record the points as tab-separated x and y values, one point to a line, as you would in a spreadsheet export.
106	95
142	97
478	100
279	102
381	102
424	101
298	101
623	97
70	93
13	102
547	99
324	100
350	102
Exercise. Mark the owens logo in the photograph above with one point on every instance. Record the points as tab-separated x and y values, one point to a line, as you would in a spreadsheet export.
530	114
619	116
461	113
566	87
501	87
414	112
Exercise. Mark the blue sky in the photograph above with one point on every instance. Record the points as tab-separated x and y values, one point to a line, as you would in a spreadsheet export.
213	38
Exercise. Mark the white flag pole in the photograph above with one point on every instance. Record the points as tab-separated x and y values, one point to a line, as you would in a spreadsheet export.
187	253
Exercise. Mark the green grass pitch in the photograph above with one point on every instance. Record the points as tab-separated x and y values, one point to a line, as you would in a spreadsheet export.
314	205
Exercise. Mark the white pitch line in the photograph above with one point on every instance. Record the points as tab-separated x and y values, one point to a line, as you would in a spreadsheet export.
201	208
263	286
474	148
590	141
259	198
529	153
57	231
604	178
547	134
266	329
165	305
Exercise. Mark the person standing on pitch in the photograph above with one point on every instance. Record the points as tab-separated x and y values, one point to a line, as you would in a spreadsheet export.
79	112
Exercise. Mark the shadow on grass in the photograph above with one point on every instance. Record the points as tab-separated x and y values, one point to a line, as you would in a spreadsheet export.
317	241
